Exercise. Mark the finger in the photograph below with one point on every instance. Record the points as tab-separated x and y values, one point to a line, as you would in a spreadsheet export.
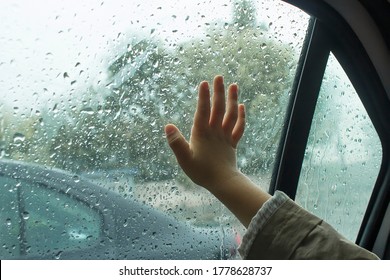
239	128
218	106
231	115
178	144
202	113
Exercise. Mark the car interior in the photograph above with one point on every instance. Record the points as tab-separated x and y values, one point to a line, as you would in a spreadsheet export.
357	33
87	88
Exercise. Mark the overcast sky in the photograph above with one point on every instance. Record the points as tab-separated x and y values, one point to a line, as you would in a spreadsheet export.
51	48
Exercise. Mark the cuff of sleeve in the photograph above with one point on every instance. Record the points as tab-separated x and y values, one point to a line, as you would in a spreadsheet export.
258	221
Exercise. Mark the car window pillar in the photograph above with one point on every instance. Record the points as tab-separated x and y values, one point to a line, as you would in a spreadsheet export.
307	87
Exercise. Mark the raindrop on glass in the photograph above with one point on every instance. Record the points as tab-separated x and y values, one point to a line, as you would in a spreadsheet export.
25	215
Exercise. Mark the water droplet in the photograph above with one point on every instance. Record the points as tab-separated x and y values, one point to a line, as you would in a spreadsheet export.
55	108
76	178
88	111
18	138
25	215
58	255
8	222
176	61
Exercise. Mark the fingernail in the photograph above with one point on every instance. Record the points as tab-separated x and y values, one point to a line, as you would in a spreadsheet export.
169	130
219	77
205	85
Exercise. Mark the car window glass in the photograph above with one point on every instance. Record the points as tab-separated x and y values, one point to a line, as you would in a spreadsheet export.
343	155
89	85
9	219
54	223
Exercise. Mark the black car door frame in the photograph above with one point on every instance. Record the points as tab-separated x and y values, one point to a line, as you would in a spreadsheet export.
329	32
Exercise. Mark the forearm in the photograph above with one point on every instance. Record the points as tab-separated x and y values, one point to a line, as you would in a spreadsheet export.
241	196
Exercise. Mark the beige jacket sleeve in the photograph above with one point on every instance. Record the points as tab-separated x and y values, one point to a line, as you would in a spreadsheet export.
283	230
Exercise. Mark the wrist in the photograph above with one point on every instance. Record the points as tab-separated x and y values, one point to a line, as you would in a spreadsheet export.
220	181
243	197
229	180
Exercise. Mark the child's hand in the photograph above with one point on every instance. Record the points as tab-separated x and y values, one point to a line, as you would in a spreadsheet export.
209	158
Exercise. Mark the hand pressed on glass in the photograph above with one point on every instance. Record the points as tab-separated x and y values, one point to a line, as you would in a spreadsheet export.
209	157
210	153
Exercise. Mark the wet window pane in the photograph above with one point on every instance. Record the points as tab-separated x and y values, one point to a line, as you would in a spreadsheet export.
88	86
343	155
54	223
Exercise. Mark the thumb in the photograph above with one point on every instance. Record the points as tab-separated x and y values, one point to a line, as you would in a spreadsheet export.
178	143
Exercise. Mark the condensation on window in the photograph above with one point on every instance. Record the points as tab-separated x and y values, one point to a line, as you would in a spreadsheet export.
343	155
88	86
